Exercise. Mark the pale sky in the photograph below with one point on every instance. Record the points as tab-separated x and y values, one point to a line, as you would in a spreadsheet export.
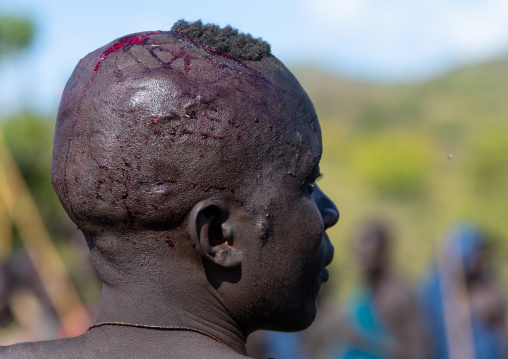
371	40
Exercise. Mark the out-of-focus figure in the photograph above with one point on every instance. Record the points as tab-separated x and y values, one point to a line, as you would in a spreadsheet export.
464	309
278	345
382	321
315	342
25	310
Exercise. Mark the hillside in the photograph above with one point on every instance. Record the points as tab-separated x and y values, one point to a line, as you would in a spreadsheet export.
422	156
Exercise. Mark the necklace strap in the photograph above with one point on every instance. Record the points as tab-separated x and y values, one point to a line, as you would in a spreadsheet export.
160	327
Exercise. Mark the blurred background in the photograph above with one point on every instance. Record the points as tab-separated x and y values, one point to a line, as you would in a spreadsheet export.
410	96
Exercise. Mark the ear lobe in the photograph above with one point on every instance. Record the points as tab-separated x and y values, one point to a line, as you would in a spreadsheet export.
225	256
213	235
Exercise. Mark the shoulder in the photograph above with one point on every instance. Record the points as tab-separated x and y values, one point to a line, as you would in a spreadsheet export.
54	349
86	347
21	351
397	301
397	292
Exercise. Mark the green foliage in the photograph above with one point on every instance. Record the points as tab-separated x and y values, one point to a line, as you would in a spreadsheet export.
393	164
422	156
30	139
489	162
15	34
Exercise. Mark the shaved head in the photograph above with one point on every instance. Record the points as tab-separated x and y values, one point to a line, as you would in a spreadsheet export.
152	123
189	160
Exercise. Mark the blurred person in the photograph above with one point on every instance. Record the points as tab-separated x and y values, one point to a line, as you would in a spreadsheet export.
382	321
26	312
278	345
321	337
315	342
188	158
464	309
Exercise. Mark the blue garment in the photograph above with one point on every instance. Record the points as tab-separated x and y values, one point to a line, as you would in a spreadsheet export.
462	249
433	315
363	318
284	345
488	344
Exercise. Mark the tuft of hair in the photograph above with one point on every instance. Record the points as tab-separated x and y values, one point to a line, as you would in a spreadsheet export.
227	40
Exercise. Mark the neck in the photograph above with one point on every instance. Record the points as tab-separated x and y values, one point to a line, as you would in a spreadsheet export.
374	278
176	306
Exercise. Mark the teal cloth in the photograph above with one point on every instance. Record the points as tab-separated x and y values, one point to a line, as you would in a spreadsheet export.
364	319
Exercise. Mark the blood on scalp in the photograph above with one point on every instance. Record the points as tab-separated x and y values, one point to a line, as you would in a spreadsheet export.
128	40
121	43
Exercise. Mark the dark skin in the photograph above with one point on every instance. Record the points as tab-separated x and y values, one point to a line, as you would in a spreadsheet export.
192	177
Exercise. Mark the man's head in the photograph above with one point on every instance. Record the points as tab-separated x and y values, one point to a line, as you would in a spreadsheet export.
372	249
151	123
466	253
166	132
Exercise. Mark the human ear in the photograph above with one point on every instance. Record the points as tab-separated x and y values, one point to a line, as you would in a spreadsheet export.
212	233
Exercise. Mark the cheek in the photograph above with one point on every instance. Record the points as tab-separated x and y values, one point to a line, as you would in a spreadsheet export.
310	221
304	233
291	236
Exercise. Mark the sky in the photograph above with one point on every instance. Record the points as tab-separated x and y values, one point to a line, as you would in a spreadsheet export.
368	40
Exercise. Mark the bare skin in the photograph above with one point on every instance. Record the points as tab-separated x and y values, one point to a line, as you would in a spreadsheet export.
194	187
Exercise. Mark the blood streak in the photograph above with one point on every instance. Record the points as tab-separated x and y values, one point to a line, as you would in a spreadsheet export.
121	43
118	45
